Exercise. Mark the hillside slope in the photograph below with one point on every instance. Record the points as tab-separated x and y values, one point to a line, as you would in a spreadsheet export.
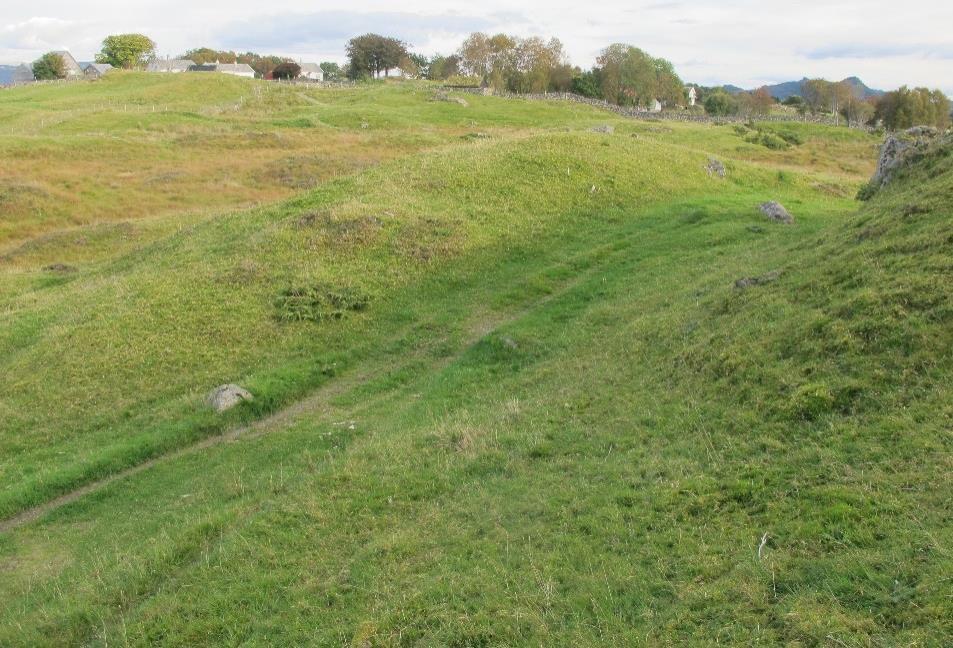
557	421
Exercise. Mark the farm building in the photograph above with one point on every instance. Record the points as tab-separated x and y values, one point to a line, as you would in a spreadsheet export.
311	72
692	96
169	66
72	68
235	69
97	70
22	74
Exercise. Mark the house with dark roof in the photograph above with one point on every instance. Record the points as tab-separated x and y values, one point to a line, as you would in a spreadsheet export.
235	69
96	70
169	66
70	66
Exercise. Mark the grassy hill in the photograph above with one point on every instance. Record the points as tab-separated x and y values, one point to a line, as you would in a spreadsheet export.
506	391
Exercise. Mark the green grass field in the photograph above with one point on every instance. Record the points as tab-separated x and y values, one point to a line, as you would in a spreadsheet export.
549	418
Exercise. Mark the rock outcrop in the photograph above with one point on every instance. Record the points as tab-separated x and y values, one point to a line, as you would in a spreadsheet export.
898	151
715	168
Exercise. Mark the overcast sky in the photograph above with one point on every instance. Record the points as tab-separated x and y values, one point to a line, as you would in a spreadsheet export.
745	42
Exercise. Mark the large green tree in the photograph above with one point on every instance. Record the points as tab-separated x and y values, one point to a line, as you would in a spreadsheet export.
719	103
904	108
332	71
443	67
371	55
826	96
516	64
286	71
127	51
629	76
49	67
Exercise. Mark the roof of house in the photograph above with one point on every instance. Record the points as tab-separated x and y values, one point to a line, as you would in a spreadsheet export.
311	68
102	68
242	68
169	65
71	65
234	67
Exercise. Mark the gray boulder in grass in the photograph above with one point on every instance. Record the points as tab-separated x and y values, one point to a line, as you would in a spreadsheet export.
715	168
225	397
776	212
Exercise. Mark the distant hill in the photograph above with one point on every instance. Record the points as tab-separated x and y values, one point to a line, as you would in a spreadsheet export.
862	90
6	74
784	90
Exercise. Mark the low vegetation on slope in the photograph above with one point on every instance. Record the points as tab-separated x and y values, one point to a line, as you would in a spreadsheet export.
135	146
539	408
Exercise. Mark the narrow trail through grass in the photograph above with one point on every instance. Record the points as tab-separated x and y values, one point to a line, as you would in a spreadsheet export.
479	326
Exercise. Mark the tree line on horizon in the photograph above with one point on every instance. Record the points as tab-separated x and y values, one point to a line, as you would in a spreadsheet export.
897	109
623	75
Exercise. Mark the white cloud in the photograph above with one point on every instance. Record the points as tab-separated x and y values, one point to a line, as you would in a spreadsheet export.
37	33
746	42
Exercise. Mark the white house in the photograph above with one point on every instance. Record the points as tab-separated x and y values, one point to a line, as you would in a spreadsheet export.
235	69
311	72
395	73
692	95
169	66
70	66
655	106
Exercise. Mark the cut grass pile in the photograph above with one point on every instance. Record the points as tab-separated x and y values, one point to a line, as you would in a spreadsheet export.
542	413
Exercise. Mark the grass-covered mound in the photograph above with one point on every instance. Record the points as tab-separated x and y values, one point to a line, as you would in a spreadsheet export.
540	410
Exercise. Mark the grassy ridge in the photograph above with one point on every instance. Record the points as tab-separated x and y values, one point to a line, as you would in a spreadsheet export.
557	422
200	308
106	367
137	146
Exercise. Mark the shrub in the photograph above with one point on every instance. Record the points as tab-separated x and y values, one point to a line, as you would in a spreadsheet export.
318	303
768	140
773	142
791	137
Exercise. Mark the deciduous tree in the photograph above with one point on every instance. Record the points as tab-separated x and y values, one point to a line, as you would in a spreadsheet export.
49	67
286	71
372	54
719	103
126	51
332	71
756	103
629	75
904	108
